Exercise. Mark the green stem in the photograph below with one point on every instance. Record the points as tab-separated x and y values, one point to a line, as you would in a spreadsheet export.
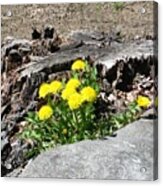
75	117
49	100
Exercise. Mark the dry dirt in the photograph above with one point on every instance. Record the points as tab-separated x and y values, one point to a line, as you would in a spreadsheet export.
133	19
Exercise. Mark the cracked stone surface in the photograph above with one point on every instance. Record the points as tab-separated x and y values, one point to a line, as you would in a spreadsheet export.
129	155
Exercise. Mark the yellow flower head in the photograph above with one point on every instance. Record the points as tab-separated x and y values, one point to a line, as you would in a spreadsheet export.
67	92
44	90
64	131
78	65
88	94
45	112
73	83
74	101
55	86
143	101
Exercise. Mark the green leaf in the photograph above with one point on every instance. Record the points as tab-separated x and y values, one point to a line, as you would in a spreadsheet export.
31	114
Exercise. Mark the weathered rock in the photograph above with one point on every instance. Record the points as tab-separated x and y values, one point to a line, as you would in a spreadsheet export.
14	55
5	149
5	109
129	155
14	60
16	157
108	56
7	40
24	51
45	47
95	38
14	44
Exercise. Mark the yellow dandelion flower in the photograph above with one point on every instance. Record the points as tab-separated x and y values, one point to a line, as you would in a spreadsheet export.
78	65
88	94
45	112
64	131
67	92
74	101
143	101
44	90
73	83
55	86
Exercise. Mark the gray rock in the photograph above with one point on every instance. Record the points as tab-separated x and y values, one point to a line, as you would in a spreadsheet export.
5	149
24	51
129	156
88	38
14	60
12	43
7	40
15	56
15	158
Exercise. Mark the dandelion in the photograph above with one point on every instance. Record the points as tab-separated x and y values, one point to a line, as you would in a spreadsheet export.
78	65
73	83
64	131
67	92
44	90
55	86
143	101
75	101
88	94
45	112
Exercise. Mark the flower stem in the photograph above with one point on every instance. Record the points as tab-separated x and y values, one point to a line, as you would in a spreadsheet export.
75	117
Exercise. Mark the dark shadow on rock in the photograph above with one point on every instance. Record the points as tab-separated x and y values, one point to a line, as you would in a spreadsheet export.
150	117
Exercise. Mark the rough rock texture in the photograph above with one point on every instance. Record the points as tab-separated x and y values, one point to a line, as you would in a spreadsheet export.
129	155
107	55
